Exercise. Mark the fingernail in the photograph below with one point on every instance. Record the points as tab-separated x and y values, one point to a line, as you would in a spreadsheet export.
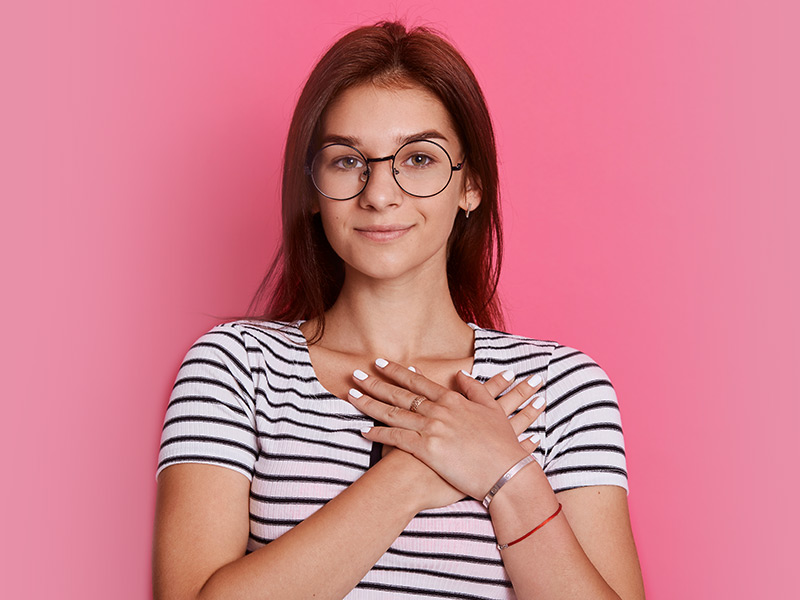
381	362
534	380
467	374
355	393
535	438
508	375
360	375
365	429
539	402
412	369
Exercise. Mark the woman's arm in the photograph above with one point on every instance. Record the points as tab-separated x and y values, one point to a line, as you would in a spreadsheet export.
202	526
587	551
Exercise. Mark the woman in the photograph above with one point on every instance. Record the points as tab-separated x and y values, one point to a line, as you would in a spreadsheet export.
362	437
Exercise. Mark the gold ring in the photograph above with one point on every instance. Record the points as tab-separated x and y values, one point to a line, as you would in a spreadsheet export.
416	402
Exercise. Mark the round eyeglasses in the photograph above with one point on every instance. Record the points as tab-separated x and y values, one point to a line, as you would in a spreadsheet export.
422	168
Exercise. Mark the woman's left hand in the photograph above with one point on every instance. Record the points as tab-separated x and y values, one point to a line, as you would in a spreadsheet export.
466	438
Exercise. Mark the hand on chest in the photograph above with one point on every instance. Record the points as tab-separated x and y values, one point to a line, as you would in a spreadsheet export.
334	369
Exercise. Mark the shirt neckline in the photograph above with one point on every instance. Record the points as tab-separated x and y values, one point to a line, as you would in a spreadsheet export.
477	348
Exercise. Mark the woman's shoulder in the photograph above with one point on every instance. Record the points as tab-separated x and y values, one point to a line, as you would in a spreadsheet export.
559	359
245	345
504	339
248	331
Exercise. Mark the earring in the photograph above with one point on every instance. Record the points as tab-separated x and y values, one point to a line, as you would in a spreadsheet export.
469	209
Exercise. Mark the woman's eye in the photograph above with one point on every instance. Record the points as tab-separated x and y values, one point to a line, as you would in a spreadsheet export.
347	163
419	160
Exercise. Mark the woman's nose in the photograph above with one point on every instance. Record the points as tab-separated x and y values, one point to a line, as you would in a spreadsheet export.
382	190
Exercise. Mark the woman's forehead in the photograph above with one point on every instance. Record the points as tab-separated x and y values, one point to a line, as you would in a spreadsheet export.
374	115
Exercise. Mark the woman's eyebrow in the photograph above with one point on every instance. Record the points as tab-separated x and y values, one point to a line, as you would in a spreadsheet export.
339	139
424	135
354	141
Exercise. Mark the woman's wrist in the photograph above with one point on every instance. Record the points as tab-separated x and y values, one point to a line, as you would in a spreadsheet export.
528	488
416	486
507	476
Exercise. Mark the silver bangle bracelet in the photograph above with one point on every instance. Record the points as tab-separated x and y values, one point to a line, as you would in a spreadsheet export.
504	479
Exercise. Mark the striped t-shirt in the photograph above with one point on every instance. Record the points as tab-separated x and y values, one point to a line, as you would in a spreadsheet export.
246	397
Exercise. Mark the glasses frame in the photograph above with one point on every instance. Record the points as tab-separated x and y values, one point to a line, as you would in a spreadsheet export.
367	172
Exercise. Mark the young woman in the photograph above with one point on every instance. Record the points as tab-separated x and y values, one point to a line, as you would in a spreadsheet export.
363	438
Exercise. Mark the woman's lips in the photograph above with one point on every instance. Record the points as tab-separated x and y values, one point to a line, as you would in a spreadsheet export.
384	233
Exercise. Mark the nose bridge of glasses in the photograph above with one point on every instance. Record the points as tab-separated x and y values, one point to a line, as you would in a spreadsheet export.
365	175
382	159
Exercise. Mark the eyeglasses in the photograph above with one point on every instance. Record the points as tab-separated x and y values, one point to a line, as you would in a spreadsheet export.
422	168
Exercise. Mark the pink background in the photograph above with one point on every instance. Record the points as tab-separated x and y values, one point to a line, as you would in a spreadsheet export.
650	183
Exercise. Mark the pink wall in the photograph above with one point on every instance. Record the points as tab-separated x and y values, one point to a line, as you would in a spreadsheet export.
650	163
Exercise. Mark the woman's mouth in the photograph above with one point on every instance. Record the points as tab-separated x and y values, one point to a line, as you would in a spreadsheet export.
383	233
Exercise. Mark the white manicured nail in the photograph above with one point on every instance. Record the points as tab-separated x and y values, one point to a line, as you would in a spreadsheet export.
381	362
360	375
534	380
539	402
355	393
508	375
467	374
365	429
534	438
412	369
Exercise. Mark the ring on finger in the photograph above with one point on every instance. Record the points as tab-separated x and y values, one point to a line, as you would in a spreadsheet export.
416	402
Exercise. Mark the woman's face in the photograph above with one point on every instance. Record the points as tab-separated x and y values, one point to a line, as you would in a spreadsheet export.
384	233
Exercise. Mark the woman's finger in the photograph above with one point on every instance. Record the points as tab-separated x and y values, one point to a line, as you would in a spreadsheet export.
395	416
528	413
499	383
404	439
530	444
479	392
510	401
385	391
520	394
406	380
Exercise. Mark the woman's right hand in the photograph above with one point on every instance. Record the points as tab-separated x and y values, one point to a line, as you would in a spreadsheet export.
435	492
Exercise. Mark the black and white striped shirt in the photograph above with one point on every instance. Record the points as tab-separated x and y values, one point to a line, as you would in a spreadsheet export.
247	398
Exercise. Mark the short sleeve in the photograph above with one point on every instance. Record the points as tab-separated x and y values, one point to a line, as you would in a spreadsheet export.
211	413
583	438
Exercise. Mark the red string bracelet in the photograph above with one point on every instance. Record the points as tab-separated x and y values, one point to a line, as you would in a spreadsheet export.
532	531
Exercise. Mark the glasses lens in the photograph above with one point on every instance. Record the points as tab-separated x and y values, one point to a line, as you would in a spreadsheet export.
339	171
422	168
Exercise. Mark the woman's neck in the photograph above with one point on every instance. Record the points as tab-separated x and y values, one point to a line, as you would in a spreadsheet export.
401	321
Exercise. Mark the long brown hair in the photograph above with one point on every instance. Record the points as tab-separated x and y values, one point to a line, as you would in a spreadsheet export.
306	275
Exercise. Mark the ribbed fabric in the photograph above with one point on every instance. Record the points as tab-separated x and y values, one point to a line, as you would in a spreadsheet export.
247	398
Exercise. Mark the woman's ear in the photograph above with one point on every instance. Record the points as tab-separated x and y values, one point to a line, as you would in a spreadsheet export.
471	197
